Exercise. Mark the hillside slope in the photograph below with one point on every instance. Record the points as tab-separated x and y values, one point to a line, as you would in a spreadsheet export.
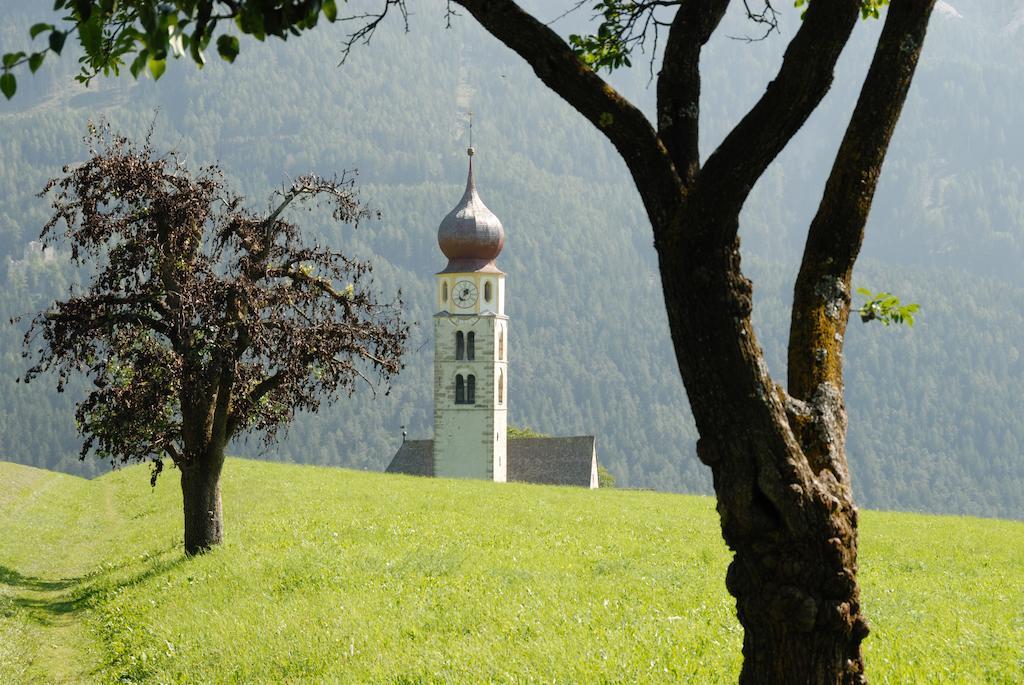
337	575
935	412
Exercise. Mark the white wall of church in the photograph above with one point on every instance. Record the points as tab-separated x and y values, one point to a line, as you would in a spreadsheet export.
470	439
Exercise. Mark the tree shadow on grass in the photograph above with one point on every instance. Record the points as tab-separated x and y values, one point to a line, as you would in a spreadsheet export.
46	600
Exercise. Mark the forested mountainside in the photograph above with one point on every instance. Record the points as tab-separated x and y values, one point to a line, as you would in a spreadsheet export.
937	421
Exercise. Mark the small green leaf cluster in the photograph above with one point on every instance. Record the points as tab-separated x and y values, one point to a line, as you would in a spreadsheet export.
515	433
886	307
140	35
869	9
608	49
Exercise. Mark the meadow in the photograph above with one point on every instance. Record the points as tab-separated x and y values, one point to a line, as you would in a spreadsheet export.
333	575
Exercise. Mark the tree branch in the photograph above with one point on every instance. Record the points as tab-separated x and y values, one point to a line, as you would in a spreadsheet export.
172	452
618	119
679	82
321	284
802	81
821	301
262	389
102	318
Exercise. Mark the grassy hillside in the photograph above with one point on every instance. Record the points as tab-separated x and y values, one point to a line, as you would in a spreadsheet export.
336	575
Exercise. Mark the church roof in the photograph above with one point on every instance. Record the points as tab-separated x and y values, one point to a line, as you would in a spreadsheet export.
554	461
414	457
551	461
471	236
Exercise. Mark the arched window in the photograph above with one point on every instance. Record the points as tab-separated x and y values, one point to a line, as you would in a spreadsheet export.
460	390
460	345
470	389
501	387
471	346
487	291
501	343
444	291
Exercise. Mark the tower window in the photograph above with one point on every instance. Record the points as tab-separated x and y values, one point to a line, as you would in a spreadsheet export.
501	387
471	346
470	389
444	291
487	291
460	390
501	343
460	345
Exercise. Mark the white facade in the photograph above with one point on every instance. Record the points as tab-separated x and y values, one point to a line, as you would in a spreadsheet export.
471	376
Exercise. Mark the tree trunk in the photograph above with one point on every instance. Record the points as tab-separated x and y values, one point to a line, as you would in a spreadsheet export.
798	601
204	516
779	469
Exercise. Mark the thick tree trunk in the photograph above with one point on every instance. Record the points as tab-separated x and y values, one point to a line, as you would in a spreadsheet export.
786	509
798	601
204	516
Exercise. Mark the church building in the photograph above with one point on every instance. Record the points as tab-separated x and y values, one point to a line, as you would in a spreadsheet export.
471	370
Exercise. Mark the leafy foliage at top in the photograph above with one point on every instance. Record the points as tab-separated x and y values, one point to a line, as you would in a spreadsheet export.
141	34
628	25
203	320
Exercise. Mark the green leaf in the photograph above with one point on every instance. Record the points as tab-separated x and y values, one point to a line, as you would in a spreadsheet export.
330	10
8	84
864	291
91	34
35	61
39	28
11	57
84	8
157	68
57	41
139	63
227	47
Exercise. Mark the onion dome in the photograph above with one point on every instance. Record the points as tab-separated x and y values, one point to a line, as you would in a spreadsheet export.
471	237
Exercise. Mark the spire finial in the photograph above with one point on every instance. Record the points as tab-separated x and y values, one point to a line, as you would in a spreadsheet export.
470	151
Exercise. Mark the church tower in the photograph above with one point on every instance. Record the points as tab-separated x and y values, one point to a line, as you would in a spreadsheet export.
470	344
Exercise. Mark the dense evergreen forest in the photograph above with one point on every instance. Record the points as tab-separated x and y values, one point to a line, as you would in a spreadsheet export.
937	421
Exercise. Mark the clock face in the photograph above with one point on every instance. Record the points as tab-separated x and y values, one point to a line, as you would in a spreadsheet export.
464	294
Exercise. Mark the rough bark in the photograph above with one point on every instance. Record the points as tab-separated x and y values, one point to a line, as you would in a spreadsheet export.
204	514
679	83
821	302
778	461
619	120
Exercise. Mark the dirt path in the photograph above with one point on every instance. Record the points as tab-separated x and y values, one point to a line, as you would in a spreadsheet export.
46	589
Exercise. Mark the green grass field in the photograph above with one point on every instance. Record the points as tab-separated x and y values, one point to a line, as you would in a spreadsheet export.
330	575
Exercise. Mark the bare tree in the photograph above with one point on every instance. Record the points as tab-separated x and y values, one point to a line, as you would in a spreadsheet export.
203	320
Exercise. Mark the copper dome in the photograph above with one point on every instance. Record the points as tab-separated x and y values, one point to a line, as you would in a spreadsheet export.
471	237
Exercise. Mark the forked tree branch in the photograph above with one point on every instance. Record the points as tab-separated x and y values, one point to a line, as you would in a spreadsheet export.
619	120
802	81
679	82
821	302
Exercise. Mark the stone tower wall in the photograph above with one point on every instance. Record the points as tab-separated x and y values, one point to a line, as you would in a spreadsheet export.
470	440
